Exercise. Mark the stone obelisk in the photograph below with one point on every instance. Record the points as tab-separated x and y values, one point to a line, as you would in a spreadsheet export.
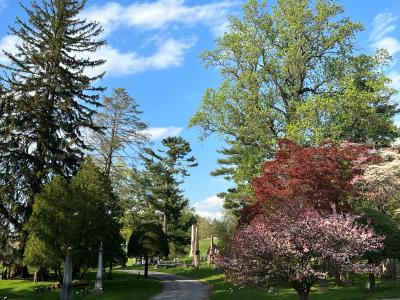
98	288
196	247
192	242
66	289
209	258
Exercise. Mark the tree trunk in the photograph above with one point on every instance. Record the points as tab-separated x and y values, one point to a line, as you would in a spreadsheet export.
59	276
42	274
303	296
146	266
371	278
165	222
302	288
338	279
372	283
110	272
24	272
20	271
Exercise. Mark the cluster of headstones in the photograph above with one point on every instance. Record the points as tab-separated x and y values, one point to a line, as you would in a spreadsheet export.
6	273
49	288
82	293
79	294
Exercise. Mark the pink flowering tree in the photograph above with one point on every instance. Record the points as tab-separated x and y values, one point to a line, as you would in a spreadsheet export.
297	245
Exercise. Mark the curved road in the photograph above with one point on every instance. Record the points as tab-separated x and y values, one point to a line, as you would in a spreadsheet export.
178	287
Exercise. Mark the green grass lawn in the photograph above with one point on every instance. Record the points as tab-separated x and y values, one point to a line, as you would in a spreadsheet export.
204	245
123	286
223	290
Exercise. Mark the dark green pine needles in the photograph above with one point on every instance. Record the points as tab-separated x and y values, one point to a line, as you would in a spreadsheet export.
47	99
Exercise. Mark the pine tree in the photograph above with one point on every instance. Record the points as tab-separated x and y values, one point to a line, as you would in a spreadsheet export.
157	189
47	100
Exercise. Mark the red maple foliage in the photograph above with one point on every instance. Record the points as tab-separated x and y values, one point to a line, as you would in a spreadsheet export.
320	177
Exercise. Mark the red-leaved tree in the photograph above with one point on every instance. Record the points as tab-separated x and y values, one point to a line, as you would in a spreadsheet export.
319	177
297	244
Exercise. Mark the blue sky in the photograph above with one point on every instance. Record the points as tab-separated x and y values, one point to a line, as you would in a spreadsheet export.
153	51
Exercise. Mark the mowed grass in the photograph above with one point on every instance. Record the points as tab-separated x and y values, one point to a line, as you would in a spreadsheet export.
123	286
222	290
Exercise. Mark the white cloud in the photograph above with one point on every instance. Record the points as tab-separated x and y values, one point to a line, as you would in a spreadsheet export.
159	133
391	44
211	207
170	53
383	25
3	4
7	44
395	77
159	14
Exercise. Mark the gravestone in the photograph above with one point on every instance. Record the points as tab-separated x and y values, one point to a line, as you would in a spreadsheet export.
66	288
98	288
271	290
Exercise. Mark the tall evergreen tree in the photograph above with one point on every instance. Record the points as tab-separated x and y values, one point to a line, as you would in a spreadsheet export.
157	189
48	98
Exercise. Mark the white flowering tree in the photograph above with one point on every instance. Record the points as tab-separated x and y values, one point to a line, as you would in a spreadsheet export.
380	183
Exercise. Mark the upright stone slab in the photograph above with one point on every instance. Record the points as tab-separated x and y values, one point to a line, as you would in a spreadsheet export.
66	289
98	288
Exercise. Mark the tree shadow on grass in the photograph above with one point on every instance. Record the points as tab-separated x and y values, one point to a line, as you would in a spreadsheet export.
123	286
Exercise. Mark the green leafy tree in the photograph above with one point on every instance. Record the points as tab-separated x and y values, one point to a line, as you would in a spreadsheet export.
205	227
80	214
148	240
385	226
7	251
224	230
157	189
291	70
360	110
47	99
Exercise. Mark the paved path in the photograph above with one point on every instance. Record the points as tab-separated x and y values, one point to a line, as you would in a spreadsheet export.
178	287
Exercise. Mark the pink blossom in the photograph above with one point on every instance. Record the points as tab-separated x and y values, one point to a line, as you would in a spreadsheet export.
298	245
